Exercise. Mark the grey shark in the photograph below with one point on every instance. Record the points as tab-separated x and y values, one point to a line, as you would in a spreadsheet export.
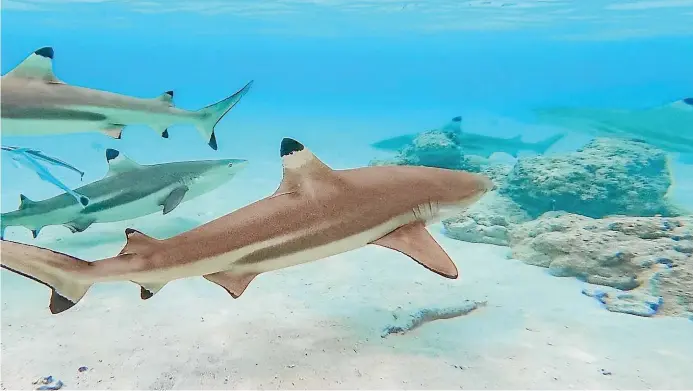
316	212
129	190
473	143
36	102
30	158
668	126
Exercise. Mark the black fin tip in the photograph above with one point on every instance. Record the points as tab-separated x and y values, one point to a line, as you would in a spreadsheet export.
213	142
111	154
457	119
45	52
290	146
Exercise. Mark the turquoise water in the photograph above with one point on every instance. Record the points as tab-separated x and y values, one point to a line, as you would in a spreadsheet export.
339	76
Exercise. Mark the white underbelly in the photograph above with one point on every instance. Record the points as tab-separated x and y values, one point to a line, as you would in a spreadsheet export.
37	127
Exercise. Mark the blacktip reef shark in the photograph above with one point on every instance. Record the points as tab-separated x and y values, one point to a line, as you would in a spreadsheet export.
129	190
36	102
29	158
668	126
316	212
473	143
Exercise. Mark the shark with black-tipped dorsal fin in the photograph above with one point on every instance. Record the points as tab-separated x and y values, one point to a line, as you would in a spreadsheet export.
36	102
129	190
315	212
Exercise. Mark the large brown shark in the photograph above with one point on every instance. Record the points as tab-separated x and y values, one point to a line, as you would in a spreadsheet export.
315	213
36	102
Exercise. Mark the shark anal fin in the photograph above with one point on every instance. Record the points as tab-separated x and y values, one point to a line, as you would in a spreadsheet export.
79	225
161	129
416	242
35	232
234	284
119	163
174	199
137	242
149	289
114	130
25	202
38	65
164	134
301	165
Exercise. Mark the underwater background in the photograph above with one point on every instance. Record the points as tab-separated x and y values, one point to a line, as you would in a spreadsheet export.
339	76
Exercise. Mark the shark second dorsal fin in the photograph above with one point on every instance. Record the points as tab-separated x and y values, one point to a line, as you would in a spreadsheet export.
25	202
166	97
119	163
39	65
299	165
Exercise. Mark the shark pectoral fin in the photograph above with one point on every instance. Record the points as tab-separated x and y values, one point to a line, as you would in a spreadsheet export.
416	242
79	225
174	199
137	242
114	130
38	65
149	289
235	284
25	202
119	163
300	165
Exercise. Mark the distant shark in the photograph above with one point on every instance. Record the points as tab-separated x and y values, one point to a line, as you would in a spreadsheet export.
36	102
472	143
315	212
668	126
29	158
129	190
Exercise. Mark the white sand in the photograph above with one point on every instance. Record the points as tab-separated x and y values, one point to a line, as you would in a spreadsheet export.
318	326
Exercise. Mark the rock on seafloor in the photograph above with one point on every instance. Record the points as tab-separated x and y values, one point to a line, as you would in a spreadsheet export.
434	148
605	177
648	256
487	221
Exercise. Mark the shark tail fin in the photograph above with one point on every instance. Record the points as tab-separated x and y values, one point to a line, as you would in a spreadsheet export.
140	244
212	114
543	145
59	272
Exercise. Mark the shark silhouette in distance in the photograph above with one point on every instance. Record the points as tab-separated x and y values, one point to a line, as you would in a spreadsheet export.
316	212
472	143
36	102
668	126
129	190
30	158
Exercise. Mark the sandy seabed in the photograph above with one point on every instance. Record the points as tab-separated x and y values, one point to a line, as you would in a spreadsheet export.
319	325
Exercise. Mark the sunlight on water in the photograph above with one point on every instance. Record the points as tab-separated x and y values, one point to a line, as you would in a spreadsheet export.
270	177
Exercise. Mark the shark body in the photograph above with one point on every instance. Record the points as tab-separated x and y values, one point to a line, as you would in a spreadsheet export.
36	102
129	190
472	143
29	158
316	212
669	126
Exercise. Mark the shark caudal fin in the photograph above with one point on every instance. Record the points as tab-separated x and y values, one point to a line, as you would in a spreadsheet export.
141	244
544	145
212	114
63	274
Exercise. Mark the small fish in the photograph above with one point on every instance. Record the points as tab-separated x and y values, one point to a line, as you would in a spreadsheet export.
316	212
36	102
28	158
129	190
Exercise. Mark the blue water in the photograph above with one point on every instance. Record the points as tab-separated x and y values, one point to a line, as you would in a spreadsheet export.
339	75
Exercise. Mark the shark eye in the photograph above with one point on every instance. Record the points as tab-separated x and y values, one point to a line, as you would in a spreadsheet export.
688	101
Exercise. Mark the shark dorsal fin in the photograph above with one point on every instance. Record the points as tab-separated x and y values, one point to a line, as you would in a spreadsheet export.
455	125
300	165
166	97
119	163
25	202
39	65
